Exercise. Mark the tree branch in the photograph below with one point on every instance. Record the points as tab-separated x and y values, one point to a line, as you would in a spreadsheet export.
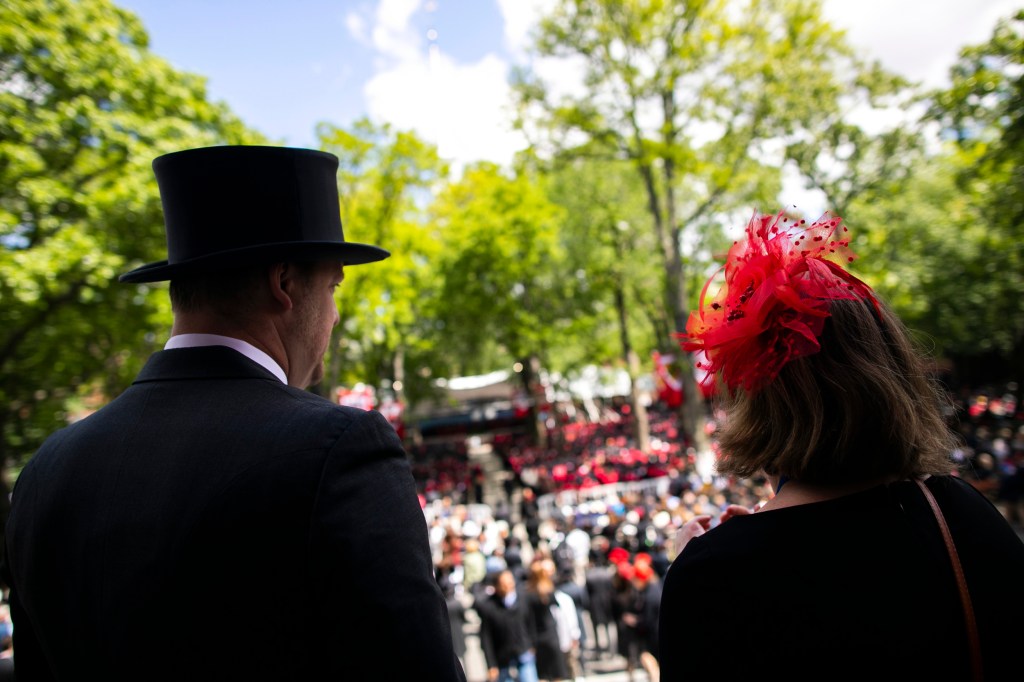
51	305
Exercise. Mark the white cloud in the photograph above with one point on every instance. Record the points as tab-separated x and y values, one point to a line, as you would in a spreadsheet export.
356	26
459	107
394	37
520	17
395	15
919	39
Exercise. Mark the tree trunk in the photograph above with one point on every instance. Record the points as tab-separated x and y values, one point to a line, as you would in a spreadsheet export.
641	425
535	394
692	410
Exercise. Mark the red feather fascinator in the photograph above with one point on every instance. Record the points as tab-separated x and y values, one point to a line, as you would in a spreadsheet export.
771	309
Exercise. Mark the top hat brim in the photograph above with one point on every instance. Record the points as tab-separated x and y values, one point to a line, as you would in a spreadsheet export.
349	253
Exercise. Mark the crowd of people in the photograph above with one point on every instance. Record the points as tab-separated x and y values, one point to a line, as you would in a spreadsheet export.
582	454
991	426
586	575
578	454
577	595
579	586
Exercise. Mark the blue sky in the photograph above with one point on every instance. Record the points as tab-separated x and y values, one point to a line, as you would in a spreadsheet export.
439	66
284	66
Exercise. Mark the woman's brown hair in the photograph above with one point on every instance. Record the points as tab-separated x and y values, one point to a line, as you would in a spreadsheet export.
860	409
539	581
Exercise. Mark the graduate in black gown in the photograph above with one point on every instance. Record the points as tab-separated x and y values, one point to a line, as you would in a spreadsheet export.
540	598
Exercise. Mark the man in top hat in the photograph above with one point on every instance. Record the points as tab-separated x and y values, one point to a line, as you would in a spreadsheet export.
216	521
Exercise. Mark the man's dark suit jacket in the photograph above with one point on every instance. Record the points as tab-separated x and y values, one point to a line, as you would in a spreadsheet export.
505	633
213	523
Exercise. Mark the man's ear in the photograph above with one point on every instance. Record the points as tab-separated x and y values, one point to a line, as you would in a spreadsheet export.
281	282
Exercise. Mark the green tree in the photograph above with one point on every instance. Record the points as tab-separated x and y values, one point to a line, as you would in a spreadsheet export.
948	249
848	162
386	178
84	108
619	316
923	251
504	295
983	111
701	97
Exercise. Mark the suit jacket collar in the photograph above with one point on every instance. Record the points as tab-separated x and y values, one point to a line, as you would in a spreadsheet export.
204	362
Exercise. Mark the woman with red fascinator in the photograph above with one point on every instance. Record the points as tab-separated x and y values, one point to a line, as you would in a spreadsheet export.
871	560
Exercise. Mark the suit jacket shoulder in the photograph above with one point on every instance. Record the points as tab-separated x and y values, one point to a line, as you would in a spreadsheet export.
207	499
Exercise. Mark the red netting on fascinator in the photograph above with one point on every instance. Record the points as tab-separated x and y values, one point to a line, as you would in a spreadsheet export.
771	309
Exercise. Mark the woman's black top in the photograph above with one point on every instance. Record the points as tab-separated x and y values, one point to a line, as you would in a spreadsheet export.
848	588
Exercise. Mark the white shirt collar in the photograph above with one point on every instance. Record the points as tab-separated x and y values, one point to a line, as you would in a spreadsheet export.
247	349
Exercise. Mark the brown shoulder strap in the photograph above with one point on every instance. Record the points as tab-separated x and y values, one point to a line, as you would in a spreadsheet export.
965	595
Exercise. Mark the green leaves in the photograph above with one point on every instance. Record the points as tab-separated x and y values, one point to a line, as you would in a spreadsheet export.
386	178
84	108
976	246
501	268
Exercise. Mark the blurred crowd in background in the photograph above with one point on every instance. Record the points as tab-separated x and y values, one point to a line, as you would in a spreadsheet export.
589	517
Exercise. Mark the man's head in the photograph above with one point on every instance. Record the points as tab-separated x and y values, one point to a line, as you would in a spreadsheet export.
228	292
505	584
286	309
306	326
255	249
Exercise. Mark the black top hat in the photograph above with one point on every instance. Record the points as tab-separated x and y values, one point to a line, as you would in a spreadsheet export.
231	206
